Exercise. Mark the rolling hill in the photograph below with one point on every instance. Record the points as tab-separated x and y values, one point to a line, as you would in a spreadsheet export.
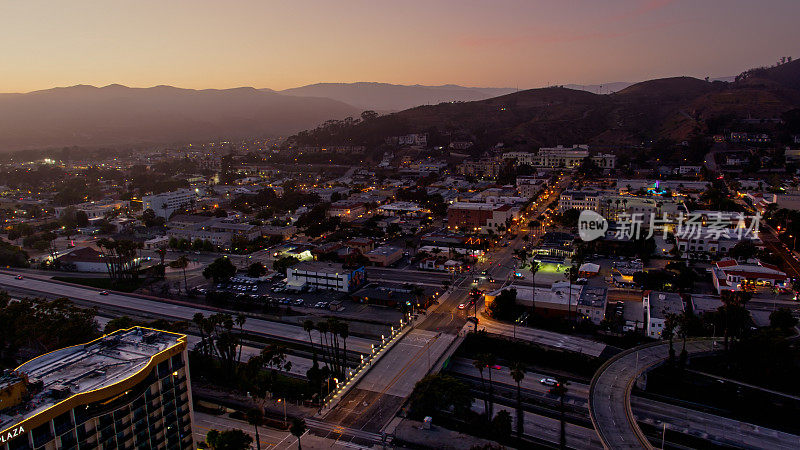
671	108
394	97
113	115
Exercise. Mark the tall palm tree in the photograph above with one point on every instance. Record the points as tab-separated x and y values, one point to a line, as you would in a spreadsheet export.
534	268
480	364
491	361
240	320
308	326
518	374
182	263
322	329
572	275
254	417
344	333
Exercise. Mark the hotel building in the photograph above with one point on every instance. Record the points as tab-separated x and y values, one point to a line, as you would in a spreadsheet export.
125	390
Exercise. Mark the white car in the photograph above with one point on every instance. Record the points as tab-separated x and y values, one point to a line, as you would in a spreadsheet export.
549	381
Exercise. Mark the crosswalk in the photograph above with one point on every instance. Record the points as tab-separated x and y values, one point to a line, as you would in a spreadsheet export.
331	430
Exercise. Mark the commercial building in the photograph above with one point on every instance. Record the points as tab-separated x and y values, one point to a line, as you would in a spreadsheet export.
221	232
165	204
401	209
347	210
592	304
128	389
385	255
730	275
656	307
87	259
561	157
93	210
558	301
324	275
486	168
395	295
480	217
580	200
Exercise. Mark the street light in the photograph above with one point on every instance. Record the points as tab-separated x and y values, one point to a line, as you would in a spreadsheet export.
284	408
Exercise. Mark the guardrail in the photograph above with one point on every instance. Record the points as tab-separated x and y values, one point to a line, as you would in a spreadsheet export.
628	389
363	367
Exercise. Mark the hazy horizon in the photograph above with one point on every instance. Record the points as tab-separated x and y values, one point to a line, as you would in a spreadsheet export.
277	45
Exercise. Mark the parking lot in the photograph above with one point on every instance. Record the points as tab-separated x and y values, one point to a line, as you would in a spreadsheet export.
309	301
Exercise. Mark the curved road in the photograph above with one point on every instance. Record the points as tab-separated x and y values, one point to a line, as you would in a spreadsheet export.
610	392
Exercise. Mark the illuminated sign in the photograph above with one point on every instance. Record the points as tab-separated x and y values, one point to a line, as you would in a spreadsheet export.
11	434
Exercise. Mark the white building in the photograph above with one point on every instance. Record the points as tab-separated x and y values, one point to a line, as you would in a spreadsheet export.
323	275
165	204
561	157
657	305
94	210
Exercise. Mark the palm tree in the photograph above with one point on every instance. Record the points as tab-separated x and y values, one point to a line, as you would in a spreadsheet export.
308	326
560	389
240	320
534	268
200	321
322	329
572	274
254	417
181	263
480	364
298	429
518	374
491	361
344	333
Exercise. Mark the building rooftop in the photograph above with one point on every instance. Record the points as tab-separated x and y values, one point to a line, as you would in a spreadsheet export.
70	371
385	250
663	303
320	267
593	297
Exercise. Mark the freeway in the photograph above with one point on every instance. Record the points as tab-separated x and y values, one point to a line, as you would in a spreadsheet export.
164	309
433	279
542	337
717	429
610	393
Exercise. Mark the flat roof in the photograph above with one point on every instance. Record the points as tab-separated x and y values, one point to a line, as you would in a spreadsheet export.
663	303
320	267
87	367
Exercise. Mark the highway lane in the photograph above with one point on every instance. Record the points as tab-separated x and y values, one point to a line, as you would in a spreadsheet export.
167	310
549	429
610	392
542	337
718	429
300	365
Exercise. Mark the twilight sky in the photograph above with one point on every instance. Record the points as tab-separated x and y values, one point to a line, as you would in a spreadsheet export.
287	43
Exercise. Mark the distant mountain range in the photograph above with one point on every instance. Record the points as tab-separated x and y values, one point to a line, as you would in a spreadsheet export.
118	115
115	115
672	108
384	97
